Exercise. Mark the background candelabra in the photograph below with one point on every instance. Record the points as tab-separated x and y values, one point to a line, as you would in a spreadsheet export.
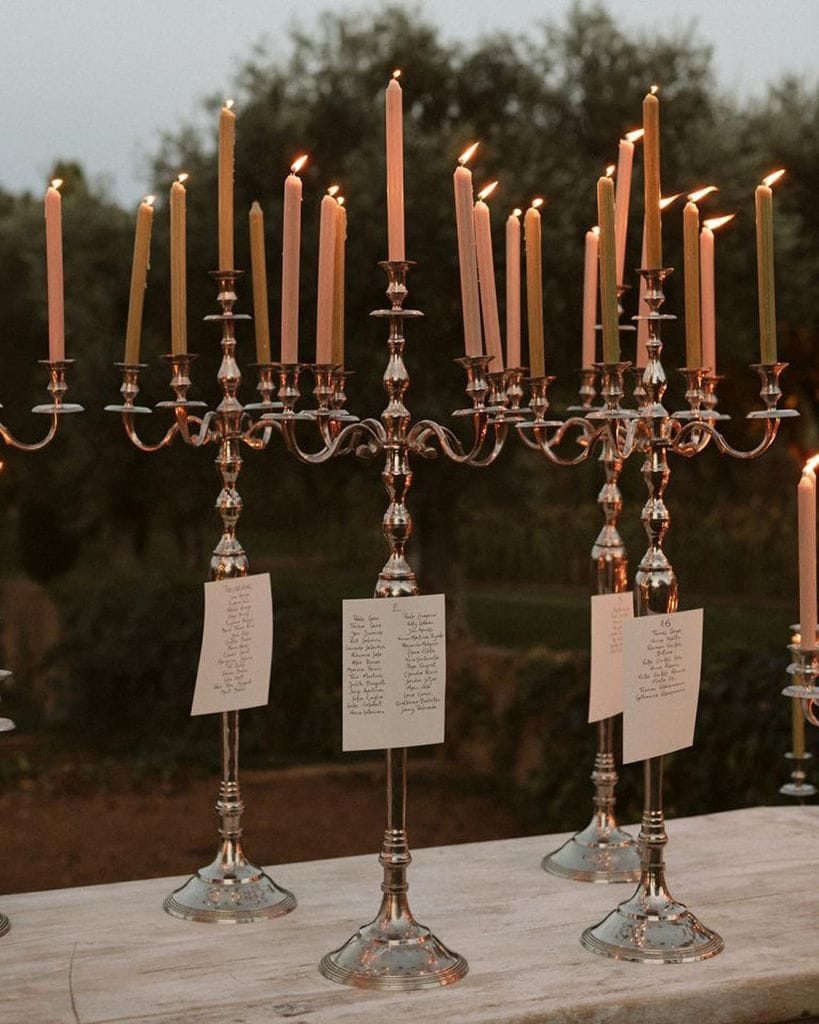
651	925
394	951
230	888
798	757
56	408
803	670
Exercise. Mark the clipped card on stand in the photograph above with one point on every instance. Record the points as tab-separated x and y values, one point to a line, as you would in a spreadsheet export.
237	646
662	659
608	613
394	658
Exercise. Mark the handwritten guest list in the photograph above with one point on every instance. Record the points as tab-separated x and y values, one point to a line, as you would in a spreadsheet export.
237	646
394	659
661	662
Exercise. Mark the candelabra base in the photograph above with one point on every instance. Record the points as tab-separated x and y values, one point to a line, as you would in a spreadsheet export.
596	854
394	953
236	895
651	927
5	925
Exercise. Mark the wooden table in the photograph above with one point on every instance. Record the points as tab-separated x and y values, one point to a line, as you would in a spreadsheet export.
109	954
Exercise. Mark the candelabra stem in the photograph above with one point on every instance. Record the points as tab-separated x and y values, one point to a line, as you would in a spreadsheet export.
394	951
229	889
603	852
651	926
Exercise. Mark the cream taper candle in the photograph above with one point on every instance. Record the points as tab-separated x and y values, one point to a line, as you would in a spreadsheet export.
467	256
395	169
486	279
534	289
513	356
258	273
54	271
227	142
139	277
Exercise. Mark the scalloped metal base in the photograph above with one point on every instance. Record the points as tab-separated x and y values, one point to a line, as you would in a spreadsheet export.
214	897
596	855
399	958
656	929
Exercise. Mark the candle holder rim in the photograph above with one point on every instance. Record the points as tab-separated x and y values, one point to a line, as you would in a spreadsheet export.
180	403
170	357
397	264
409	314
56	363
217	274
57	410
772	414
131	366
221	317
139	409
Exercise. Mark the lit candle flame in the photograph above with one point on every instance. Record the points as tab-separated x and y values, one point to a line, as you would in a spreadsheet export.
149	200
714	223
467	154
340	200
517	211
610	170
333	190
396	73
701	193
487	190
809	466
635	135
665	203
183	177
56	182
537	202
298	163
654	90
228	104
596	229
773	178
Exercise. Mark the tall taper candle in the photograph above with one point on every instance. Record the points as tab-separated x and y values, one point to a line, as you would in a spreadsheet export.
651	182
338	283
534	289
258	270
227	140
513	289
622	197
691	264
54	271
139	277
641	352
395	169
291	255
763	199
708	320
467	257
486	280
326	273
179	286
591	257
806	501
608	271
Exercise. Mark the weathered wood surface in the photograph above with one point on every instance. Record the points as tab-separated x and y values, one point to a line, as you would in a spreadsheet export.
106	954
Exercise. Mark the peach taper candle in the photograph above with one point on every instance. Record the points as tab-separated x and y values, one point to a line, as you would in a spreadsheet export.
622	195
291	256
139	279
467	256
806	503
708	302
395	168
534	289
513	289
227	142
54	271
486	278
337	355
590	262
326	273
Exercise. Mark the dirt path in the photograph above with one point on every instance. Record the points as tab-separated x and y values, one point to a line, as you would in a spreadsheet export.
91	835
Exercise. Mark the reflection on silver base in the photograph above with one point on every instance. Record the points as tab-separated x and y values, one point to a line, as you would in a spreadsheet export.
5	925
395	954
596	855
652	929
243	895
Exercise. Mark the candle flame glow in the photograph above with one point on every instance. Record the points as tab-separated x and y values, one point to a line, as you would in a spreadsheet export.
809	466
182	177
773	177
635	135
596	229
701	193
396	73
228	104
487	190
517	211
714	223
149	200
56	182
467	154
665	203
340	200
537	202
333	190
610	170
298	163
654	90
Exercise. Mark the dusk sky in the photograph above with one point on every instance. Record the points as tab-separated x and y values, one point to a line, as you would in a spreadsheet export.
99	81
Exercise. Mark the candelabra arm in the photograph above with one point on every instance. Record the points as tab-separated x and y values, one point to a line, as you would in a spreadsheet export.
424	431
680	447
363	433
589	436
30	446
57	407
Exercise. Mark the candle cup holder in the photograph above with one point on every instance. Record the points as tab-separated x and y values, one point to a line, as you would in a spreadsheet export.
770	392
798	787
694	394
587	392
266	387
515	392
57	387
478	384
230	889
289	393
804	670
129	390
710	396
498	398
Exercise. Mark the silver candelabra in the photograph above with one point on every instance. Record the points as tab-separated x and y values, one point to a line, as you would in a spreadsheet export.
230	888
394	951
57	407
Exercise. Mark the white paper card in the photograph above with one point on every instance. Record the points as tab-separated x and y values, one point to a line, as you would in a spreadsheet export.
662	657
394	657
608	613
237	645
